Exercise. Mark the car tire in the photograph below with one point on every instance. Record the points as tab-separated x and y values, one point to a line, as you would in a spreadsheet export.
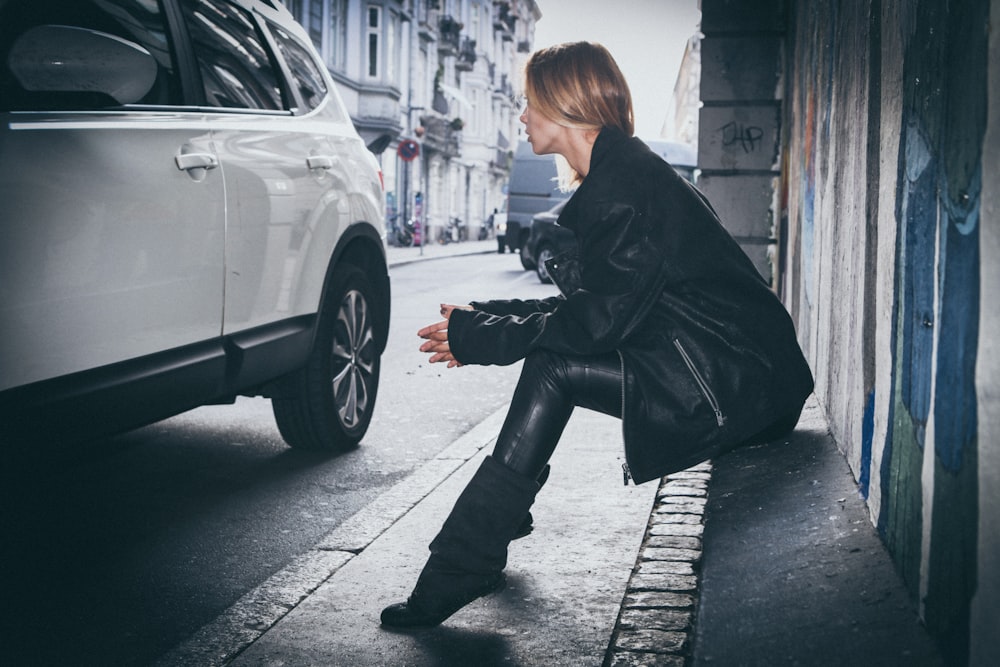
333	396
525	264
544	254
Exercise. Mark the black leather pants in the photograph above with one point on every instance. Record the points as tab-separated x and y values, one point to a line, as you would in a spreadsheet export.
550	386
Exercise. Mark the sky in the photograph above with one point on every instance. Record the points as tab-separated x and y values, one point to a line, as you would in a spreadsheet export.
646	38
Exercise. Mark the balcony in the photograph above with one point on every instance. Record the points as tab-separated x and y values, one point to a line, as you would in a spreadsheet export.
441	136
503	10
449	36
427	13
500	164
504	22
466	56
504	90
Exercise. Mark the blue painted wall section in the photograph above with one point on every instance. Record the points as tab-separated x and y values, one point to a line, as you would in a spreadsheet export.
952	560
928	64
943	126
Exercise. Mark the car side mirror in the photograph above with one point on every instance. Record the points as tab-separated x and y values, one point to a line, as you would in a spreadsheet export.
66	59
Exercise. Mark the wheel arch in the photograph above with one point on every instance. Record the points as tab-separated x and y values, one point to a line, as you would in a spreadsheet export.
361	246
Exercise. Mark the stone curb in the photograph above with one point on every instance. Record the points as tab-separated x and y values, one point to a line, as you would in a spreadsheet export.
656	621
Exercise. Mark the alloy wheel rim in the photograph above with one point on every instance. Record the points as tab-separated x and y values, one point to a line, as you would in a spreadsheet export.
353	359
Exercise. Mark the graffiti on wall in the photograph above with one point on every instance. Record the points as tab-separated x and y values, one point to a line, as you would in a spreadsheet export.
937	303
748	137
930	393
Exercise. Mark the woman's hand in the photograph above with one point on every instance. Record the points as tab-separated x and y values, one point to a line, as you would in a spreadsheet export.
437	337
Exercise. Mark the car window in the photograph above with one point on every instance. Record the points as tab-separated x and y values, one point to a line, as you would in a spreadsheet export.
236	68
305	72
27	54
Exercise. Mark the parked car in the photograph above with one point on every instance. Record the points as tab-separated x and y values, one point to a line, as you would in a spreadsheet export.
547	239
188	216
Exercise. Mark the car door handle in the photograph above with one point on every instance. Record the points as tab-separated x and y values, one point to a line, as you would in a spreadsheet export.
189	161
319	162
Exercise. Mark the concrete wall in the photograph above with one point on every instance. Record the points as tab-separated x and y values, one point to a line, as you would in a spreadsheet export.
884	212
740	121
985	648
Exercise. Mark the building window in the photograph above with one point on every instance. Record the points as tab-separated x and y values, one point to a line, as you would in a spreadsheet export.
295	7
374	28
390	49
338	35
315	23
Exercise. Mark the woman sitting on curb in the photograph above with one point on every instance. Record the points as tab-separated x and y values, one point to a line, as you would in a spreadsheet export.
662	321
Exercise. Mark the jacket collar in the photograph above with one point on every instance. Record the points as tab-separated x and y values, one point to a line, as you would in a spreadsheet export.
608	138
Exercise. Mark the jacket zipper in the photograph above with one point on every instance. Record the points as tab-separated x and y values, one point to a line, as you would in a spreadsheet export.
705	390
626	473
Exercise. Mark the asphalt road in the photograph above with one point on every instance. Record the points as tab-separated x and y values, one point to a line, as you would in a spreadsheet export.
115	553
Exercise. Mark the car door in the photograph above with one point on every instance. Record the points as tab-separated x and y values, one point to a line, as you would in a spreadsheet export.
113	217
279	168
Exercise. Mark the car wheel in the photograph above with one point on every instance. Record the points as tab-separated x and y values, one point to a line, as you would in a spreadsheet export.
544	254
333	396
525	264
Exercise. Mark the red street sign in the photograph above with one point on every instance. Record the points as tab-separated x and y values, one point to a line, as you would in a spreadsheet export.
408	150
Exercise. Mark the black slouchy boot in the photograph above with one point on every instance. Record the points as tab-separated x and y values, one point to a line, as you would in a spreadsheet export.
528	524
469	554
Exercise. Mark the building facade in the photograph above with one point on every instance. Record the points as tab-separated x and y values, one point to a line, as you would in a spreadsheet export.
681	123
430	85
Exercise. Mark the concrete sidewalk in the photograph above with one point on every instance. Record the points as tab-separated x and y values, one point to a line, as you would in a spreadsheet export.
397	256
566	581
782	568
794	573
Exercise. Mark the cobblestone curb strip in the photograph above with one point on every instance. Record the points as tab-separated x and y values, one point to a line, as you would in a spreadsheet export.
657	615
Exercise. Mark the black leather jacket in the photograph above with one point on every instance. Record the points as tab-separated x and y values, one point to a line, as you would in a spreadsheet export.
709	354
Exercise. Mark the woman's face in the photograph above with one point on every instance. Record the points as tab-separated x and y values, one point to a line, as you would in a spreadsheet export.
545	135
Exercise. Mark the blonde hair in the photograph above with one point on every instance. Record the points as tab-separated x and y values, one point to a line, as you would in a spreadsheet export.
578	85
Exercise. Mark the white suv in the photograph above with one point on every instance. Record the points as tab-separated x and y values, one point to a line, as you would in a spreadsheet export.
187	215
